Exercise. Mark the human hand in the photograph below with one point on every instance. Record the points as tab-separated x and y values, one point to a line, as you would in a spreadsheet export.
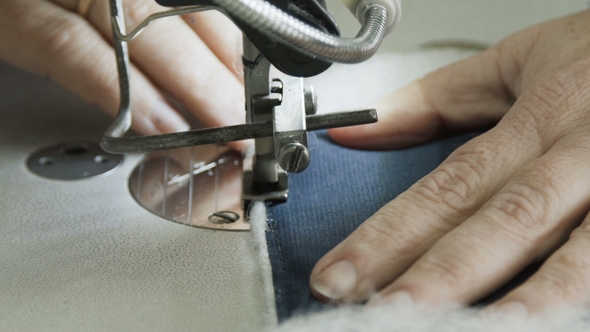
517	194
190	58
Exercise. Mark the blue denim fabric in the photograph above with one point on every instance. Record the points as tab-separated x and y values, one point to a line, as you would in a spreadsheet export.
340	189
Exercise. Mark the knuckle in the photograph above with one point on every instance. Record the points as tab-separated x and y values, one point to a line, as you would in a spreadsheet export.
454	185
555	95
382	235
525	127
550	94
523	209
528	122
445	187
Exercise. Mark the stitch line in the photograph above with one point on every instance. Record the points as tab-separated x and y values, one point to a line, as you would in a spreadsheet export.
273	227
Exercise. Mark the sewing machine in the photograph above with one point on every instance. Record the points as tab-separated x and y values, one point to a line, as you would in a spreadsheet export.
83	255
300	39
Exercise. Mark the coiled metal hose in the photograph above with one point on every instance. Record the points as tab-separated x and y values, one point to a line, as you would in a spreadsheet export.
284	28
256	13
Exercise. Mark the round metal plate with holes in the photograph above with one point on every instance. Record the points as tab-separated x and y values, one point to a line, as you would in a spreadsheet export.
73	161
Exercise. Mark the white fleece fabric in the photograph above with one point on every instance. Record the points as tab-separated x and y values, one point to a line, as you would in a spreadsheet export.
415	319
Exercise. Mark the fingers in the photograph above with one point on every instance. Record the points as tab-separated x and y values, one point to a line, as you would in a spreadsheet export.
564	279
48	40
400	233
221	36
173	57
522	223
465	95
526	219
385	245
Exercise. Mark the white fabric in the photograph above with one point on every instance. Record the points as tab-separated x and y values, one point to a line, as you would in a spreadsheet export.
405	319
84	256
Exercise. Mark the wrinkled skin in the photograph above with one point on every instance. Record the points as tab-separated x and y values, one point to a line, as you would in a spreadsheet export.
517	194
191	58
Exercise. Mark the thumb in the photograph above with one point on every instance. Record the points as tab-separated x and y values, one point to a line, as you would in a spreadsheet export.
465	95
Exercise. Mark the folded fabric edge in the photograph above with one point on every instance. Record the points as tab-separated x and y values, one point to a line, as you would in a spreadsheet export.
258	220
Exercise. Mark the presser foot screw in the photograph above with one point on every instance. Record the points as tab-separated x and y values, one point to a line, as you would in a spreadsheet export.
294	157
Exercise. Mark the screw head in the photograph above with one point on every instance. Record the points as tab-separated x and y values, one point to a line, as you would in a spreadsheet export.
294	157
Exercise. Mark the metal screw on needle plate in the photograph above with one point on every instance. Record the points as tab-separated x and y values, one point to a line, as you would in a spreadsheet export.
224	217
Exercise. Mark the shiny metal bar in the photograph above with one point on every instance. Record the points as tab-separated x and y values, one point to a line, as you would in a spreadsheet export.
120	32
122	121
231	133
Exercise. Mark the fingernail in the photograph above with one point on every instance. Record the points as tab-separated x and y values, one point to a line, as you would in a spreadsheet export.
166	119
513	309
399	299
337	281
396	299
